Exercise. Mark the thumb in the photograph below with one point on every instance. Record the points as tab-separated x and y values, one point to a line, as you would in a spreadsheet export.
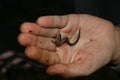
58	69
68	70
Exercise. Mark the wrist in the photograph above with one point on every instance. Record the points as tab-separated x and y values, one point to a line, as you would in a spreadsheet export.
116	54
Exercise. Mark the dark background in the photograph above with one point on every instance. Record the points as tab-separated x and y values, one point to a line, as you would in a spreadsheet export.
14	12
108	9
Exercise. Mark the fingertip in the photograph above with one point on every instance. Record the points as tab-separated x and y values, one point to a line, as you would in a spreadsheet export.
20	39
23	39
45	21
28	27
32	52
24	27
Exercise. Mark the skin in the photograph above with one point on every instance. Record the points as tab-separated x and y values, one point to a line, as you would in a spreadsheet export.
98	44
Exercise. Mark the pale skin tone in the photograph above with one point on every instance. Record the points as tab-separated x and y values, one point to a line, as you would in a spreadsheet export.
97	46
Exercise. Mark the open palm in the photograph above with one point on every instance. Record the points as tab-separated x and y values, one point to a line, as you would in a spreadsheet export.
93	50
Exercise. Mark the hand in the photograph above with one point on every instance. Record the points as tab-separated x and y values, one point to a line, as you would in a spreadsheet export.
93	50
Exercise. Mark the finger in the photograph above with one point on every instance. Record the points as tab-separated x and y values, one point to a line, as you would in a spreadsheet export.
41	55
26	39
53	21
33	28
